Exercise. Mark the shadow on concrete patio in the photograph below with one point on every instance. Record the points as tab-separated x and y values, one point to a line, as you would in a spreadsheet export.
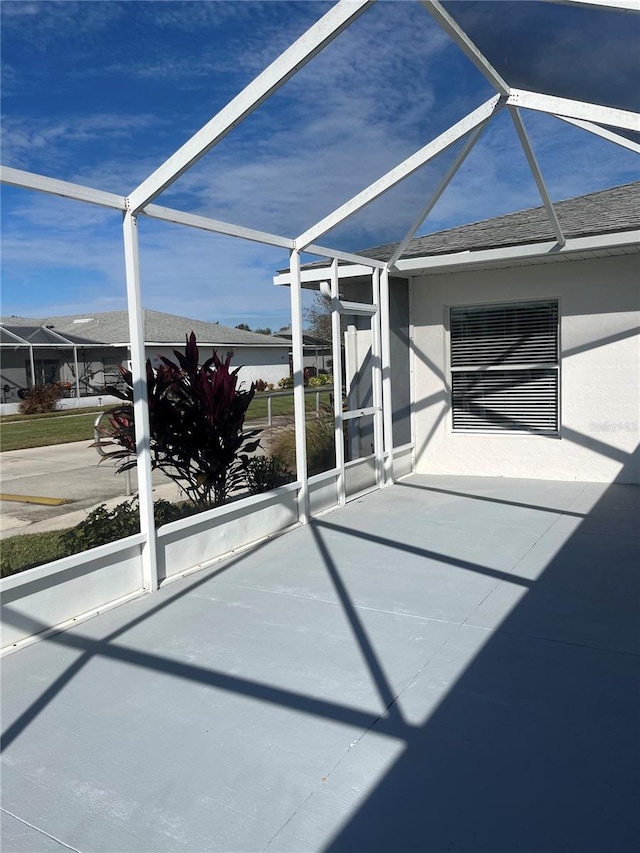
535	747
528	746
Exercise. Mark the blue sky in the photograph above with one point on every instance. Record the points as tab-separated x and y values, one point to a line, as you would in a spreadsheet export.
100	93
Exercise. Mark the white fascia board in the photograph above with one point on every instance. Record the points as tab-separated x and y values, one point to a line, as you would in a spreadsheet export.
402	170
459	36
179	217
537	174
574	109
31	181
351	258
252	96
624	141
511	253
318	274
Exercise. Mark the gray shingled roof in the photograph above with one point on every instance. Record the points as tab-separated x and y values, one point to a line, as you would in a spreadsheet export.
112	327
603	212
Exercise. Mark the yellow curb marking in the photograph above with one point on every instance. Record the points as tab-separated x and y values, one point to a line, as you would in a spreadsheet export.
33	499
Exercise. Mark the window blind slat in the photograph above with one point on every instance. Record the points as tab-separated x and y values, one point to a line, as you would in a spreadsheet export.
512	334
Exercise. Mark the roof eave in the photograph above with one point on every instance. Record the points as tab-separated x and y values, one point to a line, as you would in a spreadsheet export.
548	250
539	251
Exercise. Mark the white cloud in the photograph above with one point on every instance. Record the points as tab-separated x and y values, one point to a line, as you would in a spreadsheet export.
385	87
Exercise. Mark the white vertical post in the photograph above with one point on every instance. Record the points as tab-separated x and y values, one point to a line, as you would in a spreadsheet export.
77	370
140	406
336	343
33	367
298	388
376	381
269	411
387	402
412	380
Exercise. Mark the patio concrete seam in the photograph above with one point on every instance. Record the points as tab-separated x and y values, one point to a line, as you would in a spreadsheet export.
604	649
516	564
344	755
361	737
329	601
41	831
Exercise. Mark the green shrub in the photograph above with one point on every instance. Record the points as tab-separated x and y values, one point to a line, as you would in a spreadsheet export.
31	549
286	382
103	525
321	455
99	527
267	472
40	399
320	380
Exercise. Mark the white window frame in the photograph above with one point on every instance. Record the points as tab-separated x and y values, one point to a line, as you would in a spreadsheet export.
541	433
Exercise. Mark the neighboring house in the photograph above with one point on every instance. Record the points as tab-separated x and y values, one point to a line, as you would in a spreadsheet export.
525	356
86	350
317	353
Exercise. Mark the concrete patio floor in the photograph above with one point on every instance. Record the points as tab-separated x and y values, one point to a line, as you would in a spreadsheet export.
447	665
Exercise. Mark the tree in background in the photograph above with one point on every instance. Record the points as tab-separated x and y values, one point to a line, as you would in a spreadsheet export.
318	318
265	331
196	416
243	327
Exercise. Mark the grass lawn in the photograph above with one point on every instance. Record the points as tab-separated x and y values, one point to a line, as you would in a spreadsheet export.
283	405
18	432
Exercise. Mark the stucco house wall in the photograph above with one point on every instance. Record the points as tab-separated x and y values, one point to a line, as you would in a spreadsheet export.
599	318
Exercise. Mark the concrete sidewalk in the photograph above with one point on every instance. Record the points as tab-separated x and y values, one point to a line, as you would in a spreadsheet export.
73	472
69	471
449	664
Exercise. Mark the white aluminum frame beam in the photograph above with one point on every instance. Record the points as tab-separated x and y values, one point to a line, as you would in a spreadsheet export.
316	275
403	170
140	401
349	257
376	382
387	400
299	412
353	414
359	309
52	186
537	174
604	132
459	36
204	223
33	366
252	96
444	183
567	108
336	345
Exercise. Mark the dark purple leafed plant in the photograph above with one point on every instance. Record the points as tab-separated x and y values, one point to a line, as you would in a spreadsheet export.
196	416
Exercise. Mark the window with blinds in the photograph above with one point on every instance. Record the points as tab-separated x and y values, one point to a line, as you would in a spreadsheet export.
504	367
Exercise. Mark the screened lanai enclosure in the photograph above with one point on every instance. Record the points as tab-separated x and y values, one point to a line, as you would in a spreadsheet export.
430	642
376	400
